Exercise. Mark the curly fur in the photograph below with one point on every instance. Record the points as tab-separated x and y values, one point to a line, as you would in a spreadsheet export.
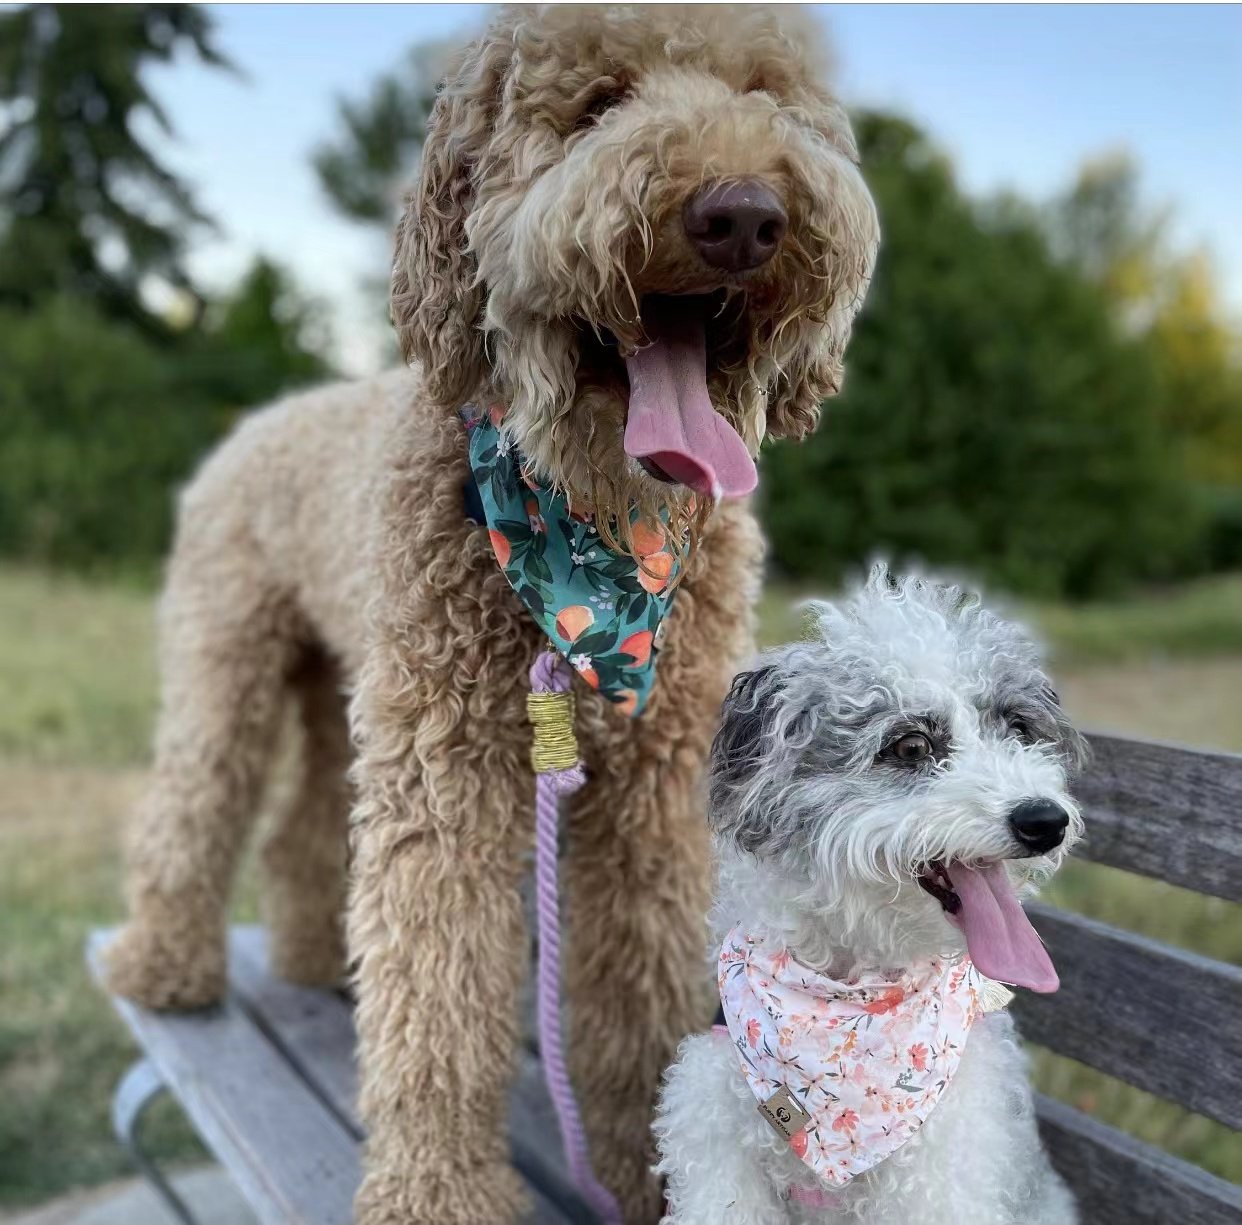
820	840
323	552
562	150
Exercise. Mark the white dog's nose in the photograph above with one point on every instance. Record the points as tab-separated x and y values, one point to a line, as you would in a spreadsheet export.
1039	825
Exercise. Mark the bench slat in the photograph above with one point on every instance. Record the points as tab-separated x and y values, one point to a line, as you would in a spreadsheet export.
1170	813
290	1156
315	1030
1118	1180
1161	1019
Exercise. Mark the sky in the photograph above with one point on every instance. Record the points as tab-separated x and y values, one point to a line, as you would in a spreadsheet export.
1018	95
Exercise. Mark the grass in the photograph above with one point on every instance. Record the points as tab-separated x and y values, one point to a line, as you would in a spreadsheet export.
77	670
61	1051
78	681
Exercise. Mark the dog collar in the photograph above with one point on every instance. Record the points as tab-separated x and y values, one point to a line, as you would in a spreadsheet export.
601	610
847	1071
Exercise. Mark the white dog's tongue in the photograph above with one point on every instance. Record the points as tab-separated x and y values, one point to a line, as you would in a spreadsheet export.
671	419
1002	943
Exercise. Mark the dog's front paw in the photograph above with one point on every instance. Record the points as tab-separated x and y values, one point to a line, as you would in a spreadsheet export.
147	966
418	1194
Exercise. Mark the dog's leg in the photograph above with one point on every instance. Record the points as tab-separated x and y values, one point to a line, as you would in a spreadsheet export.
638	869
225	645
639	887
436	924
706	1128
304	854
443	825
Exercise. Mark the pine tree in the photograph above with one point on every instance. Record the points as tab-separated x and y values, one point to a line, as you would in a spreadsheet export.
86	209
364	168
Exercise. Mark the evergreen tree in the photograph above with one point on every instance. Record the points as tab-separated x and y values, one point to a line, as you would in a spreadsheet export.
365	166
86	209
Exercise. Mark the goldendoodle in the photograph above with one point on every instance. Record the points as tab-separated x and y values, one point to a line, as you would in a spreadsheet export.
638	238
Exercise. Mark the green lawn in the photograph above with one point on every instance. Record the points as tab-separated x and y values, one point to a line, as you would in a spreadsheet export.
78	683
77	670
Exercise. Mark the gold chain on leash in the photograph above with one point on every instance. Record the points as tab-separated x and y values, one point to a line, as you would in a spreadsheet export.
554	747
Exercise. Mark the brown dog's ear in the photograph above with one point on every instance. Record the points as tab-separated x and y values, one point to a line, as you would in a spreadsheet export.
801	387
808	375
436	303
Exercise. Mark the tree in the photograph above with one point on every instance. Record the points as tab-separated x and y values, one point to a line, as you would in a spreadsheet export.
362	168
1166	298
98	424
995	416
1169	301
265	338
86	209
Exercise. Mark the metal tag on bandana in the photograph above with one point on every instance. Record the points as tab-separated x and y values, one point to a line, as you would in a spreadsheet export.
787	1117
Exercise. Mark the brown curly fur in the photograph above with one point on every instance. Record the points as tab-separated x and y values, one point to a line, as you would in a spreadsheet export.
324	548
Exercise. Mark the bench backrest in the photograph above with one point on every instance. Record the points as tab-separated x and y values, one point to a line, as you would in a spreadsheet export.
1158	1018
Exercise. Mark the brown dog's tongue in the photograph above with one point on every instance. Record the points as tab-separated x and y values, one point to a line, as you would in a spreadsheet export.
1002	943
671	419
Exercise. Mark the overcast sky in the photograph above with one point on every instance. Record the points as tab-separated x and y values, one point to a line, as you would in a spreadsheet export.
1018	95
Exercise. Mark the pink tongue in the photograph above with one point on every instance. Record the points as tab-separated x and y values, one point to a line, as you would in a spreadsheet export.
1002	942
672	421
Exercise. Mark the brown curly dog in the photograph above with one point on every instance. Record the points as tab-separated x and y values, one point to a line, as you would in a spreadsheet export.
579	164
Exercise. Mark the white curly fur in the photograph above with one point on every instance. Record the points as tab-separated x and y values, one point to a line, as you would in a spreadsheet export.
820	838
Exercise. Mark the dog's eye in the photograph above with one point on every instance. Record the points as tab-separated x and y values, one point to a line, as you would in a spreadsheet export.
1022	729
913	746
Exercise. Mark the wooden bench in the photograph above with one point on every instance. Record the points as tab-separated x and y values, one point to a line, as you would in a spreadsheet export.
268	1078
1161	1019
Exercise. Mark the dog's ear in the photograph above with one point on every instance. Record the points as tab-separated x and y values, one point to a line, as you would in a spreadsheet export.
1072	745
745	720
738	752
436	302
812	372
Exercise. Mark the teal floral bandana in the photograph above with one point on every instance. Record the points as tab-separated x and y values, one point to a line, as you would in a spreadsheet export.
599	608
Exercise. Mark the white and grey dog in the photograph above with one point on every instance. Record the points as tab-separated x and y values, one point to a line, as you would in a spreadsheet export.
881	795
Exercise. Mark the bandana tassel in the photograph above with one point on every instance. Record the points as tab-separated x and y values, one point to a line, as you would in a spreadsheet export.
558	772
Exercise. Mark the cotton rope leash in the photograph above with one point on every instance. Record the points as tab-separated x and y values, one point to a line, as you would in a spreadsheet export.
558	771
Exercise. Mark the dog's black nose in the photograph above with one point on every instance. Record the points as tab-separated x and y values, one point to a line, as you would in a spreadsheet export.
1039	825
735	226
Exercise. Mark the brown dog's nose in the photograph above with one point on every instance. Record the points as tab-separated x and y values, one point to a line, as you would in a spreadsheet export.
737	225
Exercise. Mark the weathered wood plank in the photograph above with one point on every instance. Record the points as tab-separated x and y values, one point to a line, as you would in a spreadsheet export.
1118	990
315	1030
1170	813
291	1158
1122	1181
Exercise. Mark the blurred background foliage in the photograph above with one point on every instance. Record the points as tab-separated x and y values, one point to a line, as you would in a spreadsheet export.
116	371
1044	393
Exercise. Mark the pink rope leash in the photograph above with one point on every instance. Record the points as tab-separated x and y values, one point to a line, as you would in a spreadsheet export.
550	674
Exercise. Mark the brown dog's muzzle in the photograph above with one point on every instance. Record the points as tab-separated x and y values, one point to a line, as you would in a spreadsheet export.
735	226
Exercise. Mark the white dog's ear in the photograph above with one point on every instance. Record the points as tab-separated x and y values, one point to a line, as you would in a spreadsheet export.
742	755
436	301
1072	745
745	721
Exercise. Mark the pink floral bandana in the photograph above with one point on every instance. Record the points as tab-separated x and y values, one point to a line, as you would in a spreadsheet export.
846	1071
